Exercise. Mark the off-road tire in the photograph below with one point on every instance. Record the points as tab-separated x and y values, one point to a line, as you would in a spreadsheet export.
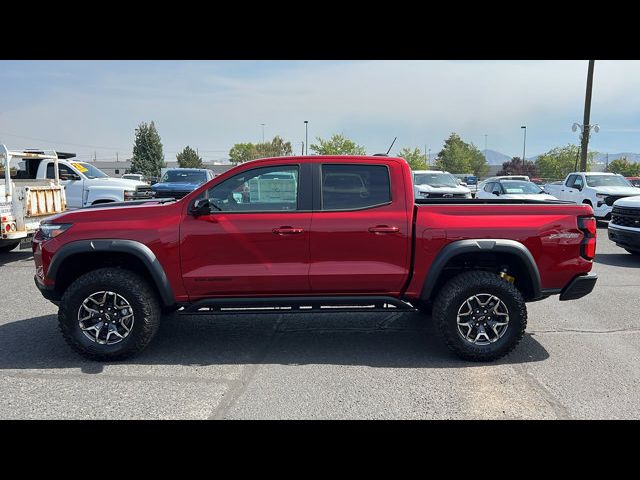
7	247
135	289
463	286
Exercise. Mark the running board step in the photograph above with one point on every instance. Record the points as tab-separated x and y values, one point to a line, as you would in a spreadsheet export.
297	305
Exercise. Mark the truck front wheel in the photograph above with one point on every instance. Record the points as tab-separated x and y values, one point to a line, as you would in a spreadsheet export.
109	314
480	316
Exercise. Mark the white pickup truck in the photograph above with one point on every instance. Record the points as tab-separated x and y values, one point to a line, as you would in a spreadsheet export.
25	201
87	185
597	189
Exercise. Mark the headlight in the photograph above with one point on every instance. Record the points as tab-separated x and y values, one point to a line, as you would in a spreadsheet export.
129	194
601	195
52	230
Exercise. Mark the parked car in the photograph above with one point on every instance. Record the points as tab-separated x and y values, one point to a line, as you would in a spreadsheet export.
178	182
624	227
635	181
502	177
352	235
437	184
513	189
596	189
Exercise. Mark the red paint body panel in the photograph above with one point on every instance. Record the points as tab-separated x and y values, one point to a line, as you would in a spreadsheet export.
230	254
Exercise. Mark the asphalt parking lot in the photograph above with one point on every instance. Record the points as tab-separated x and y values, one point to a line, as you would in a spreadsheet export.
578	360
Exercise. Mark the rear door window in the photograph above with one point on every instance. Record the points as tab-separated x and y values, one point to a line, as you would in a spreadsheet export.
352	187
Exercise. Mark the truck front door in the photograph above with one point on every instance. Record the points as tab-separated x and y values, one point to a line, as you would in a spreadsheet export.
255	241
360	230
73	184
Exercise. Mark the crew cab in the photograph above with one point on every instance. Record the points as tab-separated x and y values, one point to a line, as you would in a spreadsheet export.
85	184
596	189
312	234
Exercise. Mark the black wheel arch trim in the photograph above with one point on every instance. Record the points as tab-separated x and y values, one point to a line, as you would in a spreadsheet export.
460	247
139	250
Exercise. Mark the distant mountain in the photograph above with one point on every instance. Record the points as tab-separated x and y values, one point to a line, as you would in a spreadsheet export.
495	158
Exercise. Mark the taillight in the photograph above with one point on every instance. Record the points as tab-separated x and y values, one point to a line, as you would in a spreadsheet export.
588	246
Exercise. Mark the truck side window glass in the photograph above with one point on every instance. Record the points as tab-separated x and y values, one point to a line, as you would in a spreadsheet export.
570	181
488	187
273	189
348	187
578	182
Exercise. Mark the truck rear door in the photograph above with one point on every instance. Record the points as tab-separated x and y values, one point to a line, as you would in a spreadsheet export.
360	229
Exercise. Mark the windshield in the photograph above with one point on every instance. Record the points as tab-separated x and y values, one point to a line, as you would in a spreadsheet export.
182	176
607	181
435	179
89	170
518	187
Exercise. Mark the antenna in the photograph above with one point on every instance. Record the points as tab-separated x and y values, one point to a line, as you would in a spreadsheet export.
394	141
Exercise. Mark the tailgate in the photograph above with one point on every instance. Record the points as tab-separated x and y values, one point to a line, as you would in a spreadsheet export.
45	200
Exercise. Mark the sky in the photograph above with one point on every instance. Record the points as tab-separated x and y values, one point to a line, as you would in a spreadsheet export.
93	107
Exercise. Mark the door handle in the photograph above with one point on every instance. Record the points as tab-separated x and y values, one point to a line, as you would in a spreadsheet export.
383	229
287	230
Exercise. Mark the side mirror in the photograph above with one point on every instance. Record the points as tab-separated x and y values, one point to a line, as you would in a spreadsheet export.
201	207
496	192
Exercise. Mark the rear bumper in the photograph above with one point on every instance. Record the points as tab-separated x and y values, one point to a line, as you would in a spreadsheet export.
579	287
47	291
625	238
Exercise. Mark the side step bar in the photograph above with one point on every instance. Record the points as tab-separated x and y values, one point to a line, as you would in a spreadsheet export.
296	305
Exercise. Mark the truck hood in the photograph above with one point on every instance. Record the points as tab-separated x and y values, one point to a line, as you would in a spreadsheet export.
432	189
530	196
168	187
617	190
120	211
632	202
114	182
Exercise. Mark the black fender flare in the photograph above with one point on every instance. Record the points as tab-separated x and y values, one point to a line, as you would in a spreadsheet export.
139	250
459	247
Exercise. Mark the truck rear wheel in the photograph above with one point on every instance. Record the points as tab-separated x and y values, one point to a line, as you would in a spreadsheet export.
109	314
480	316
8	245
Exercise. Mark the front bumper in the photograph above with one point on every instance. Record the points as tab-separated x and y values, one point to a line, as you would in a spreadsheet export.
47	291
579	287
625	238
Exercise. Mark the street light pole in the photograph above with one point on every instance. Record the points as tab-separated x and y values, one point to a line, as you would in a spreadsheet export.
524	147
262	132
587	113
306	137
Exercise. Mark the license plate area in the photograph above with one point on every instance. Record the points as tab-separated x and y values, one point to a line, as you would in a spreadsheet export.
25	243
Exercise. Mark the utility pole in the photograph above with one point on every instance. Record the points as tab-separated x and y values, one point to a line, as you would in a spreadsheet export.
262	132
302	152
587	113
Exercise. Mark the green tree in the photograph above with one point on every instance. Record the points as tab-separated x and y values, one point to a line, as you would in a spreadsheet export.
276	148
189	158
147	157
560	161
625	167
458	156
242	152
415	158
338	144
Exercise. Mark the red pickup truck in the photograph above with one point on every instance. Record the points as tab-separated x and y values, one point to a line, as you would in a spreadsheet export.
312	234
